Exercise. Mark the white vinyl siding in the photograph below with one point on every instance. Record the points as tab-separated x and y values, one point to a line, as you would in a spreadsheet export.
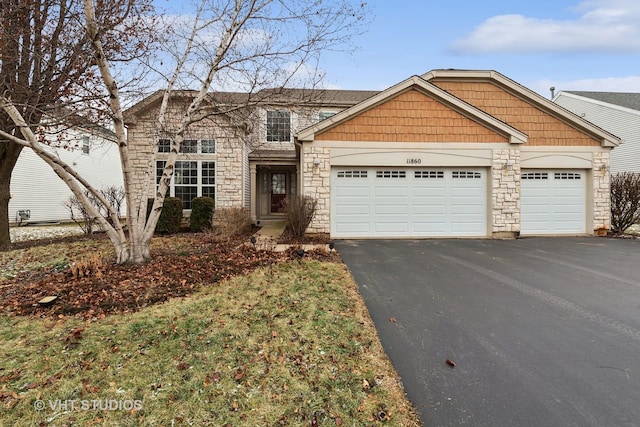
407	202
622	122
553	202
35	187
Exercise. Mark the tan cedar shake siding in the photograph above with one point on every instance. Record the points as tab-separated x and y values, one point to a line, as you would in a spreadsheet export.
411	117
541	127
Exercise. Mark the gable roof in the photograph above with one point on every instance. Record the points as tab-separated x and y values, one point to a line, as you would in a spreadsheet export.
623	99
264	97
419	83
606	139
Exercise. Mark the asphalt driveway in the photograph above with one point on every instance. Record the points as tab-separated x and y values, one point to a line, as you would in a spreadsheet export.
544	332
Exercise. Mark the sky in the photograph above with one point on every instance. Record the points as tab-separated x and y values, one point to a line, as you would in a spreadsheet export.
589	45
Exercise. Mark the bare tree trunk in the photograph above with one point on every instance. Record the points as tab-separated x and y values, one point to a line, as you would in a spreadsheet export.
9	153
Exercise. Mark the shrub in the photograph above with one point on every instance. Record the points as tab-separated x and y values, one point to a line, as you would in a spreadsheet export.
201	213
232	222
171	215
299	211
625	201
80	215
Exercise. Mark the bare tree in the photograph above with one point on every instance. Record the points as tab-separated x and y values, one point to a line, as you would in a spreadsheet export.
625	201
244	44
47	70
248	44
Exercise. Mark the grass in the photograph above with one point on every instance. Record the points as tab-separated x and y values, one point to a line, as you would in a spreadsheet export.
59	254
287	345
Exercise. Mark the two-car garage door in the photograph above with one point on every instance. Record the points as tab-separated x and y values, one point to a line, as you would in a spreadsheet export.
408	202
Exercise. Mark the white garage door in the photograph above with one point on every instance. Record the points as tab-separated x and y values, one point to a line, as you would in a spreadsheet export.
408	202
553	202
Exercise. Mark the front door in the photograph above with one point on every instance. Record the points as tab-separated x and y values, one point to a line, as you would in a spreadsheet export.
278	191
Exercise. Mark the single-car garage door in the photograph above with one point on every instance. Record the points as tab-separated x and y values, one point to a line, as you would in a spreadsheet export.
553	202
408	202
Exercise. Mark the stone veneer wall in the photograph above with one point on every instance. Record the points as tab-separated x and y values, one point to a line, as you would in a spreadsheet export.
229	154
505	192
601	192
229	172
317	184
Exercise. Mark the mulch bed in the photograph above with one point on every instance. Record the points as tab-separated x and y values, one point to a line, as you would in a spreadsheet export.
112	288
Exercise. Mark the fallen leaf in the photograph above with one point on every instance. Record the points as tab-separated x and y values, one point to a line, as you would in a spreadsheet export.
451	363
183	366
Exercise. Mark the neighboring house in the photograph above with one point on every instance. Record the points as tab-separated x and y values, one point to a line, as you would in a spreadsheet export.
618	113
39	195
451	153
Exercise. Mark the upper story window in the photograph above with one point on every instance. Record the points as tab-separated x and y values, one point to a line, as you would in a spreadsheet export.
86	146
278	126
322	115
189	146
164	146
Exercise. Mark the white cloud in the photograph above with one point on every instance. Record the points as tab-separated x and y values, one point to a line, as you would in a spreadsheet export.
599	25
608	84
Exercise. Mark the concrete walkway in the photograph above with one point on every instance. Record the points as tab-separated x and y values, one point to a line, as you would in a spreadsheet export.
267	238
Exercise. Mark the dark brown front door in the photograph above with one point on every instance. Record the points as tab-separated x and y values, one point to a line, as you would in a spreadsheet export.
278	191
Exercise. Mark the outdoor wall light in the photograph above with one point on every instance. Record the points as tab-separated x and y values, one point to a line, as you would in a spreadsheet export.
316	162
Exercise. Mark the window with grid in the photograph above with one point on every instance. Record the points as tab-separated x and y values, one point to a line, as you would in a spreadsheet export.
191	179
429	174
85	145
278	126
189	146
164	145
466	175
352	174
535	175
391	174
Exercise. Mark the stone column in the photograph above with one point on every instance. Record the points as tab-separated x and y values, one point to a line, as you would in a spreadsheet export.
505	193
601	193
316	175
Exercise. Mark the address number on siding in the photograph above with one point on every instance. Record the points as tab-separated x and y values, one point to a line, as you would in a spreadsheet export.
414	161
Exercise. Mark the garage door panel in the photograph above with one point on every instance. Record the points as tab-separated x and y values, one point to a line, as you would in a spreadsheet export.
353	191
429	192
358	210
411	203
391	191
391	209
391	227
555	205
357	227
427	209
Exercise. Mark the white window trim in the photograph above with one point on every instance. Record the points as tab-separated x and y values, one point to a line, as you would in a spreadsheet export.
172	184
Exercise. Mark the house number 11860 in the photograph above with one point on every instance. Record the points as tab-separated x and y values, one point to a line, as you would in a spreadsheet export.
414	161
